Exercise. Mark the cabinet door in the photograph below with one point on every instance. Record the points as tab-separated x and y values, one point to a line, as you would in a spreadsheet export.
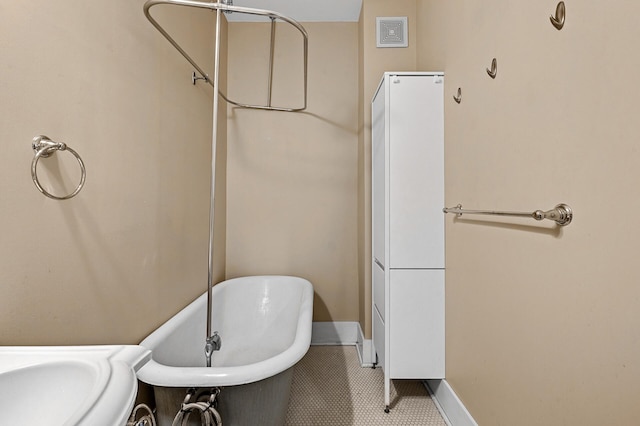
416	324
378	175
416	172
378	289
379	339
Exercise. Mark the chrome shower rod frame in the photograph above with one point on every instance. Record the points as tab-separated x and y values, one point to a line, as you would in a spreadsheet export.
561	214
239	9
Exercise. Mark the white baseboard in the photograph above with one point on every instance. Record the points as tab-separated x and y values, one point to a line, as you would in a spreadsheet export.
343	333
448	403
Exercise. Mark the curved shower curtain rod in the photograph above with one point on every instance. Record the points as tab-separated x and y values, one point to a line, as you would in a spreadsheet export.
246	10
213	340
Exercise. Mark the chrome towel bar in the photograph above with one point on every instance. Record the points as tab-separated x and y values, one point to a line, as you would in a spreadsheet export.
561	214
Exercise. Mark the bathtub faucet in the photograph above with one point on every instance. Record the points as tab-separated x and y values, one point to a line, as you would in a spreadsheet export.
213	344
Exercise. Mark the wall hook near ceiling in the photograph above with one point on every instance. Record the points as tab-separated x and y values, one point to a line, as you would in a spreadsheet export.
558	20
458	97
494	68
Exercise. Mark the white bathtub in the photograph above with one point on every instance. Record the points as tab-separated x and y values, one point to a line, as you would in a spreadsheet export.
265	326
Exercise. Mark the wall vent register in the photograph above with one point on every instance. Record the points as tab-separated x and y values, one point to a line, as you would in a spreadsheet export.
392	32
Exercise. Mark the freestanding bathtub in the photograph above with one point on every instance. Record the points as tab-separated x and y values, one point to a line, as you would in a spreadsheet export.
265	326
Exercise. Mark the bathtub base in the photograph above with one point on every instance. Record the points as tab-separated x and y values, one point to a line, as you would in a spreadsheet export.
261	403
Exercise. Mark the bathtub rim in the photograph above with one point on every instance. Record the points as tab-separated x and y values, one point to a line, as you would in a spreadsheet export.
157	374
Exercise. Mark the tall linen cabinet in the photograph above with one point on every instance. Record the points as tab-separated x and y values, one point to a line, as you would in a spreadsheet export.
408	227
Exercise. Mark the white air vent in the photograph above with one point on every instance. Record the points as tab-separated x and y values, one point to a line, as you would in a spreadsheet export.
392	32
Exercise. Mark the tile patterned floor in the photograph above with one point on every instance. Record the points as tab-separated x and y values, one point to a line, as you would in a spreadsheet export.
331	389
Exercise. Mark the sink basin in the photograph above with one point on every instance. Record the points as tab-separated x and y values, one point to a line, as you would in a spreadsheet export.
54	391
81	385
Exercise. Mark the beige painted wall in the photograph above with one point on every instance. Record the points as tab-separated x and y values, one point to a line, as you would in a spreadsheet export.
292	177
374	62
542	323
130	250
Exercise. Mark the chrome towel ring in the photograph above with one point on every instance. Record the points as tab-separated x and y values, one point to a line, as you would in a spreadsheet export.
44	147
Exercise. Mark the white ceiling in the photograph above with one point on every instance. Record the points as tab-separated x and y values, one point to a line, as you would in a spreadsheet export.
302	10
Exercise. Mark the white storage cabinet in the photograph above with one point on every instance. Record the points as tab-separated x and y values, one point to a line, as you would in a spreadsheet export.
408	227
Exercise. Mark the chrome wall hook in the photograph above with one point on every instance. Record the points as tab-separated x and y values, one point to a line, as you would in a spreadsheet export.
494	68
458	96
558	20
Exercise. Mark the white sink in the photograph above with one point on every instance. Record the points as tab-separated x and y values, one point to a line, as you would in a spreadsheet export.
69	385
